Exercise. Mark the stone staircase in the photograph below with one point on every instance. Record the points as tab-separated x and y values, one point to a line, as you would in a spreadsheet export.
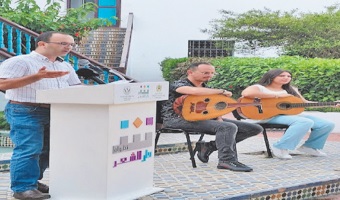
104	45
106	48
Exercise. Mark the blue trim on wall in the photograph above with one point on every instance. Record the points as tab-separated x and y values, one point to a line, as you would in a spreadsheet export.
108	13
107	3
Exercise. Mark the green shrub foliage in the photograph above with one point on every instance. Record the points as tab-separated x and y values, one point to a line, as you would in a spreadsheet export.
3	123
27	13
317	79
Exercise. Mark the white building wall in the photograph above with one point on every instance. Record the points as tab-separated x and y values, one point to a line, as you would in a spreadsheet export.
63	3
42	5
162	28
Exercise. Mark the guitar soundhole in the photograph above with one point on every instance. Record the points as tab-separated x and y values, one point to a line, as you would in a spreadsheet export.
205	112
220	106
206	100
284	106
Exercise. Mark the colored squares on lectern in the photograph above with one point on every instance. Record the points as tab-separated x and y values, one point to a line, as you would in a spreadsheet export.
149	121
124	124
138	122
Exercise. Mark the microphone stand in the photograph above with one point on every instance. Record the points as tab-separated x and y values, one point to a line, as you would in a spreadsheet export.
89	74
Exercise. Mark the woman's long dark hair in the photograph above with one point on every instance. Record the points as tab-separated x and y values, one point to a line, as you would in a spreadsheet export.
268	78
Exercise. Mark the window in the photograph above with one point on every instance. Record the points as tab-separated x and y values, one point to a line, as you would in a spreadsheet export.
210	48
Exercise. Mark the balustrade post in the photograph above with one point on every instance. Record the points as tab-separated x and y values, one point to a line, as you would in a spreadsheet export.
106	76
28	43
67	58
10	39
18	42
75	62
2	45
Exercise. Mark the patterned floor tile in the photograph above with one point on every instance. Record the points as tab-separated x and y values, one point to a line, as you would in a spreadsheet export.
303	177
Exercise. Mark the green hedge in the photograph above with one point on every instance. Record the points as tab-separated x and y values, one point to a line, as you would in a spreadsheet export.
3	123
317	79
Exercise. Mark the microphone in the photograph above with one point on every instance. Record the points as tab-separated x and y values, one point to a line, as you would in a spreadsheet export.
95	68
89	74
114	72
84	62
60	59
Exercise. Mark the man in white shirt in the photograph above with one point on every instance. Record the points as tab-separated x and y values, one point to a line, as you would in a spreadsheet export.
21	76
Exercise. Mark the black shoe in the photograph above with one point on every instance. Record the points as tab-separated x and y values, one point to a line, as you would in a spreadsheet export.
234	166
31	194
203	151
43	188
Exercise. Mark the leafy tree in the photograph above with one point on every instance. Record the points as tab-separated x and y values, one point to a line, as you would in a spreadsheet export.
304	34
27	13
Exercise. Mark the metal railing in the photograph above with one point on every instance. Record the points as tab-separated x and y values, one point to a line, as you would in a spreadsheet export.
127	41
21	42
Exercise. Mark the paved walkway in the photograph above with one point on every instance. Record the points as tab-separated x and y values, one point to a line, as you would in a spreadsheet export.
303	177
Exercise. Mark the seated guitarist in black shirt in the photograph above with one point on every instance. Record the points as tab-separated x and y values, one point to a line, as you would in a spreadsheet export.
228	132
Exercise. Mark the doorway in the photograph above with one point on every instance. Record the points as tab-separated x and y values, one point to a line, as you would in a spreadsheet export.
107	9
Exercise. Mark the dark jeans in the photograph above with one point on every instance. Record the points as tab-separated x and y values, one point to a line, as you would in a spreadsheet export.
30	134
44	158
228	133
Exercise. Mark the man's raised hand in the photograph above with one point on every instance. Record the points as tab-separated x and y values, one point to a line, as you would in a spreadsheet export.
43	73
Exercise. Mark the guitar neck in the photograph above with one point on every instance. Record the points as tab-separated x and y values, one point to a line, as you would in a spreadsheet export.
236	105
279	106
318	104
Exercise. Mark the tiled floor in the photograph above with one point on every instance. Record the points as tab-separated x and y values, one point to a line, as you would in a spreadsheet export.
303	177
272	178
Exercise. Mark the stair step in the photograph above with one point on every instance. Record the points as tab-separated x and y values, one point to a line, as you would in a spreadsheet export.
105	38
101	43
110	63
109	54
116	50
103	57
121	30
113	65
93	52
113	36
109	28
104	45
107	32
93	47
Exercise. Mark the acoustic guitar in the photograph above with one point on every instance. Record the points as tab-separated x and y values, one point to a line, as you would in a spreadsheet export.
204	107
271	107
